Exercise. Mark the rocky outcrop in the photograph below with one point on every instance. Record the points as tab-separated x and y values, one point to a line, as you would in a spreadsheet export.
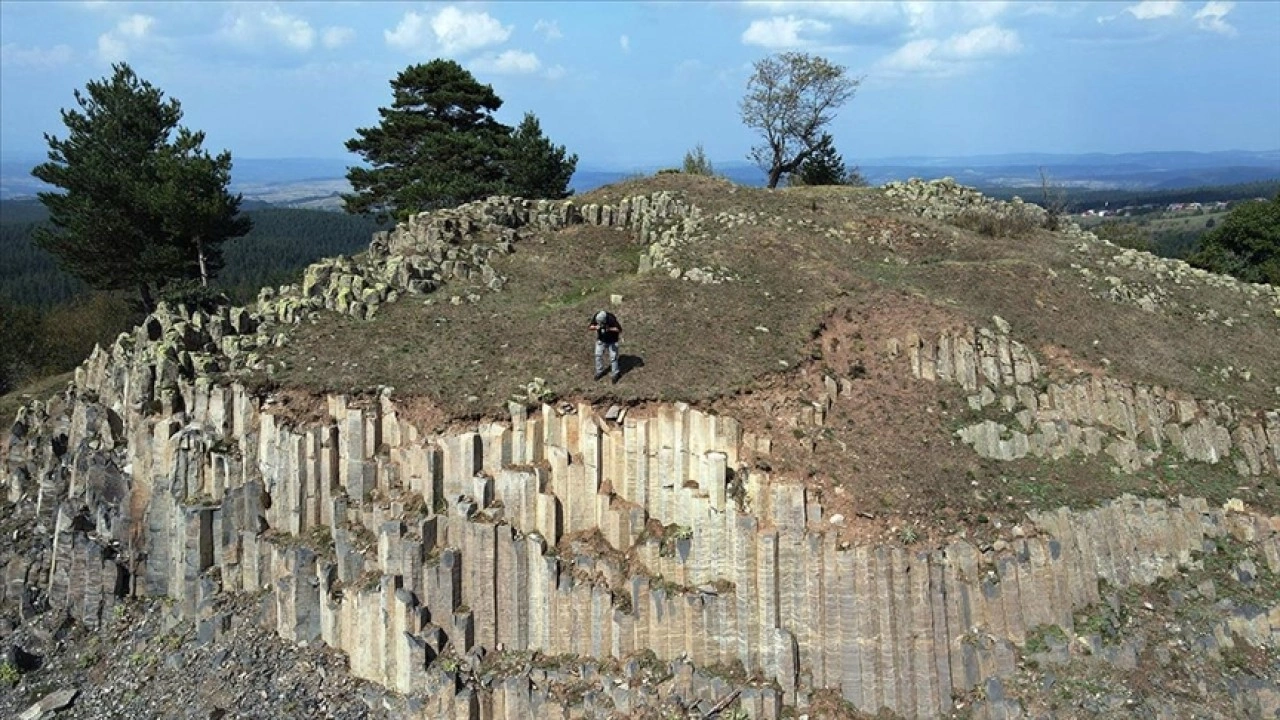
945	199
1133	424
432	248
556	531
632	557
1153	277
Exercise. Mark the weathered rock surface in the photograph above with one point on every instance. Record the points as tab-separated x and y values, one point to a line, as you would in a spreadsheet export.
567	563
1131	423
412	554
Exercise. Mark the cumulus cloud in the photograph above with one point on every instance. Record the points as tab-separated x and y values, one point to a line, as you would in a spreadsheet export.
954	54
870	22
14	56
982	42
458	31
778	33
1212	16
508	62
548	29
854	12
126	36
259	26
334	37
625	43
410	34
1154	9
449	31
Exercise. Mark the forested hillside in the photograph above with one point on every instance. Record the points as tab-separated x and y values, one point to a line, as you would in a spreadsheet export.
282	242
1078	200
49	321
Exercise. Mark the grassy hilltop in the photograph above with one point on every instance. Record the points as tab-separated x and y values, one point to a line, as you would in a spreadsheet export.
821	280
810	290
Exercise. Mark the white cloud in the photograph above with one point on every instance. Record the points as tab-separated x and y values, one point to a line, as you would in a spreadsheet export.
1154	9
914	16
261	25
458	31
334	37
555	72
135	26
1211	17
778	33
984	12
449	31
625	43
508	62
954	55
982	42
916	56
548	29
851	11
410	34
117	43
14	55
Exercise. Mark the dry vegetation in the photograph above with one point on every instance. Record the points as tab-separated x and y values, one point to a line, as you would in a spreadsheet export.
823	276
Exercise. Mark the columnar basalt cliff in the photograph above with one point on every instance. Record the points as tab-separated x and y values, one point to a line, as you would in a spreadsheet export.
648	532
399	548
1132	424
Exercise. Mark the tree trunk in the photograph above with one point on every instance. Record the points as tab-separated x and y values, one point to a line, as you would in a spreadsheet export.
148	304
775	174
204	270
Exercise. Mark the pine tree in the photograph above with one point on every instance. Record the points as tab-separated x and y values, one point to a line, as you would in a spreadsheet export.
136	208
826	167
696	162
536	168
192	179
438	145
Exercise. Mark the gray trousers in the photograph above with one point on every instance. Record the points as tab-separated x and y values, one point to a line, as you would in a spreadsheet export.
601	346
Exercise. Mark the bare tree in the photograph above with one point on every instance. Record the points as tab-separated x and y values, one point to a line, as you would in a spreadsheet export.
1054	201
790	98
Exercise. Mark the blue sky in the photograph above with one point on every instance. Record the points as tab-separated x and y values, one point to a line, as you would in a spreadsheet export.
633	84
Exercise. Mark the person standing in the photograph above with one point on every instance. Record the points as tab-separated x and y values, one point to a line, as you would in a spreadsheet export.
608	332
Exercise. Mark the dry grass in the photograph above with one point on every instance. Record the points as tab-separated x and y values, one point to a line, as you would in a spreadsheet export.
993	224
824	277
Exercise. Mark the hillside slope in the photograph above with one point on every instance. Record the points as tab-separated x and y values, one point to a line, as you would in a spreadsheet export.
892	450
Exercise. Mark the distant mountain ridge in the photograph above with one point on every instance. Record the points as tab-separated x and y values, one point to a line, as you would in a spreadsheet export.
318	182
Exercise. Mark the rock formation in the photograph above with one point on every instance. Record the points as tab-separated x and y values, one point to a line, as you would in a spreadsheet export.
563	532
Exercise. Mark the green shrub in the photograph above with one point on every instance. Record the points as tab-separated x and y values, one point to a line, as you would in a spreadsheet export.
1126	235
1246	244
696	162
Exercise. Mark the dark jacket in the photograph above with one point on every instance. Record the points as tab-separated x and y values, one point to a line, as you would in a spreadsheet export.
609	331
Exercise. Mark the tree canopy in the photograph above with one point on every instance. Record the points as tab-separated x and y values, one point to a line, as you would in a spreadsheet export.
137	209
439	145
1246	244
826	167
535	167
790	98
696	162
